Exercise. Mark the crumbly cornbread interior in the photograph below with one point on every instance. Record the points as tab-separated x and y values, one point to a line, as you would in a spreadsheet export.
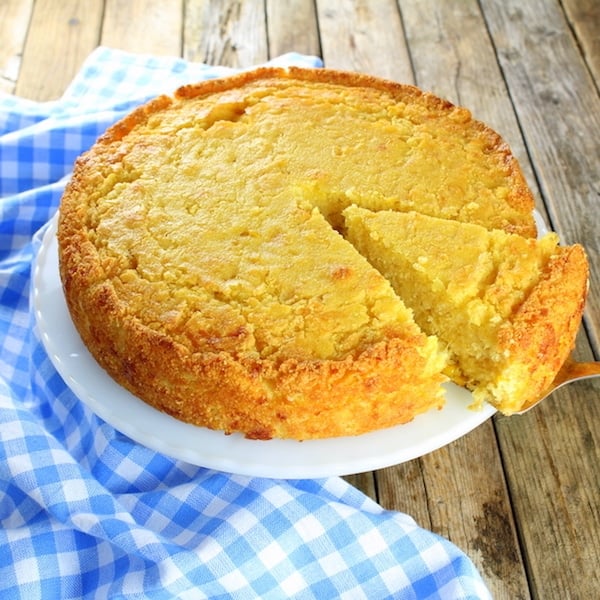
476	290
205	260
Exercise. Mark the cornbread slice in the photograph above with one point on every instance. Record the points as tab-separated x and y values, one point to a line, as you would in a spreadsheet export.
507	307
201	263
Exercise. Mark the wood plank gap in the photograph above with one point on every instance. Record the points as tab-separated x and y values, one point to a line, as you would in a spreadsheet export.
577	41
319	38
515	517
266	30
365	482
477	491
557	101
364	37
230	33
102	21
292	27
405	35
583	17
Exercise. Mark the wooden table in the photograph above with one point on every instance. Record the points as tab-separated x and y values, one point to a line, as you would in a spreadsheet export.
520	495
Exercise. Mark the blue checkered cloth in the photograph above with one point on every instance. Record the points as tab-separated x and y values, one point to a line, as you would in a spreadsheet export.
87	512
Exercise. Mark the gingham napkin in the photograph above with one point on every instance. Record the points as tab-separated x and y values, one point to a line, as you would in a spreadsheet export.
87	512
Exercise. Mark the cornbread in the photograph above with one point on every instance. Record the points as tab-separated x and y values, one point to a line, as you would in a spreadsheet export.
507	307
203	257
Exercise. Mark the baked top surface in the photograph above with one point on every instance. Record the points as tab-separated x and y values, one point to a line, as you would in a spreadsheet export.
207	224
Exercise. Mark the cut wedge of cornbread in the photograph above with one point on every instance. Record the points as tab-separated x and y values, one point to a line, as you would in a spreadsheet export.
507	307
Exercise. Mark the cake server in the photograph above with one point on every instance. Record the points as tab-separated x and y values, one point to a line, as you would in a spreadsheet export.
569	372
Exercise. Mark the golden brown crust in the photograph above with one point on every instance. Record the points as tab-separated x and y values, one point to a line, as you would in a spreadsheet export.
543	330
221	376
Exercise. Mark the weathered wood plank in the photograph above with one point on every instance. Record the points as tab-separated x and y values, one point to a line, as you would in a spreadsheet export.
559	110
584	17
402	487
551	457
144	26
292	27
365	482
407	487
364	36
459	492
232	33
451	54
557	511
14	21
474	60
61	35
468	503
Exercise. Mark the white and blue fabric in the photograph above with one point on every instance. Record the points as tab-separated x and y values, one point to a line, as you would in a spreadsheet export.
86	512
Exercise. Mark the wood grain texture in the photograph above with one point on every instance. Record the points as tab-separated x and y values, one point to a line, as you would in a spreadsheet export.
60	37
551	454
459	492
444	62
292	27
144	26
403	487
14	22
232	33
551	458
584	17
364	36
469	504
557	510
367	37
365	482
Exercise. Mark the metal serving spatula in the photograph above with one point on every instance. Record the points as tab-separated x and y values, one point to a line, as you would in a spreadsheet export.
570	371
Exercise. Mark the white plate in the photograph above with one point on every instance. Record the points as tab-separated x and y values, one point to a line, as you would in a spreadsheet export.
232	453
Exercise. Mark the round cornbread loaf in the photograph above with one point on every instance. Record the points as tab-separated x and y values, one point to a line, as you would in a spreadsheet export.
203	257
